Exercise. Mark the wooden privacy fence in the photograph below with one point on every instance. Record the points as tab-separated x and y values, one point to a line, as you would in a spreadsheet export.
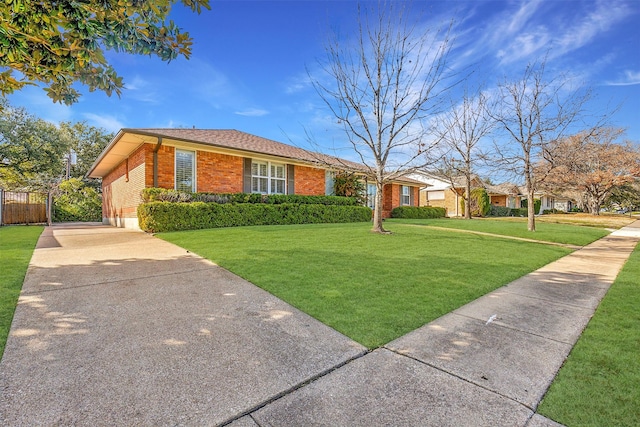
23	207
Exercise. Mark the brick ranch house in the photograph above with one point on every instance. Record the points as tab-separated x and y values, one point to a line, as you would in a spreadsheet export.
218	161
441	192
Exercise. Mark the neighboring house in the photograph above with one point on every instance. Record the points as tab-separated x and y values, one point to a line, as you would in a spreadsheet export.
557	202
217	161
506	195
446	193
550	200
439	191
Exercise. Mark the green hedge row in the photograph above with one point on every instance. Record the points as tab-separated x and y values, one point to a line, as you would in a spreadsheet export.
164	216
536	205
165	195
502	211
423	212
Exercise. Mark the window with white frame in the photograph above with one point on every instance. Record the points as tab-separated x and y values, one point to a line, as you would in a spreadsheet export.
268	178
185	171
278	179
406	196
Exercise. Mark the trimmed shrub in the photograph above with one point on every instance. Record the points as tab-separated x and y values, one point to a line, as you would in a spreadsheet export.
502	211
519	212
553	211
536	205
423	212
165	195
164	216
499	211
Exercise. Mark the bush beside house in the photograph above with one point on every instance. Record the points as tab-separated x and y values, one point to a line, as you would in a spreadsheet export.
497	211
536	204
164	195
169	210
414	212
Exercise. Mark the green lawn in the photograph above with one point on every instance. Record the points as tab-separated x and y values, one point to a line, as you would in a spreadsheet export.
517	227
16	247
373	288
599	384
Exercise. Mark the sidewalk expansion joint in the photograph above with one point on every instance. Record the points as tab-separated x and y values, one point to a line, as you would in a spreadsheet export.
556	302
294	388
107	282
499	324
422	362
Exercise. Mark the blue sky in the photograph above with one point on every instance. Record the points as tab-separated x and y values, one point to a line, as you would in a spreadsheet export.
248	69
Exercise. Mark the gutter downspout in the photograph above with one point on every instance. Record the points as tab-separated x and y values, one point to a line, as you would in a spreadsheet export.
155	162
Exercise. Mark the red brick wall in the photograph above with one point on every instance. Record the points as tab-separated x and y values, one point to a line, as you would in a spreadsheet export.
219	173
148	169
216	173
309	181
390	199
166	164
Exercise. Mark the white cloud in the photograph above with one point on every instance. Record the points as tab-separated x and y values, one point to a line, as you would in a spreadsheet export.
537	28
298	84
142	90
605	15
630	78
252	112
109	123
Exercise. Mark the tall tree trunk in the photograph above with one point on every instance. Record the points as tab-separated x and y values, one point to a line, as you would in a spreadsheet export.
531	212
595	206
528	180
377	211
467	199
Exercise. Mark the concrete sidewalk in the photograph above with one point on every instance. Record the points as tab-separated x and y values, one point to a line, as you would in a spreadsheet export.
118	328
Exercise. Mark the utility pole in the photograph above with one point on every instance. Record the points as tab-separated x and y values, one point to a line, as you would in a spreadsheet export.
71	159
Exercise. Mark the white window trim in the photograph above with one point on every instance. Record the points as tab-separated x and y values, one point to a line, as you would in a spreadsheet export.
408	195
193	169
269	177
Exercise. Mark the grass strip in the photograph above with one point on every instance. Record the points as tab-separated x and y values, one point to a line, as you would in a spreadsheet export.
598	384
373	288
16	247
545	232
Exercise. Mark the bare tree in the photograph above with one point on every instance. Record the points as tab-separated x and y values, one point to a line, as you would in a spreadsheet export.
592	163
534	112
383	88
460	130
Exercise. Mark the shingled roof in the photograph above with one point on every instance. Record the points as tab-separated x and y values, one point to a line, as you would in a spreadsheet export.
230	138
128	139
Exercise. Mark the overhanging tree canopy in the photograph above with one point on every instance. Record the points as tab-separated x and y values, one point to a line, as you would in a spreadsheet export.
58	43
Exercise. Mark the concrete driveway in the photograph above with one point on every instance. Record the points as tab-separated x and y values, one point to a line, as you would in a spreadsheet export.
116	327
119	328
